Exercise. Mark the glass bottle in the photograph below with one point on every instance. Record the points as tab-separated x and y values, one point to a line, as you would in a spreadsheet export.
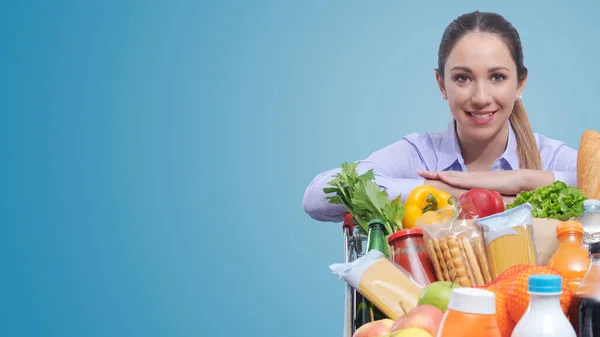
376	238
365	310
409	252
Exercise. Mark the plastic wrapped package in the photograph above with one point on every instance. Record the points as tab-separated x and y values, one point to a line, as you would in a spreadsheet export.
509	238
456	247
385	284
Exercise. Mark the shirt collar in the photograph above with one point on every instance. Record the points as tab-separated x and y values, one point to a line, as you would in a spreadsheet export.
450	156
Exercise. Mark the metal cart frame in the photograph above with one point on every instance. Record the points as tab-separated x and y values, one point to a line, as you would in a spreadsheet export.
353	249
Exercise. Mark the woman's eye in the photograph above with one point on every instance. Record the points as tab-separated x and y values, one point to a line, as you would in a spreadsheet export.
461	78
498	77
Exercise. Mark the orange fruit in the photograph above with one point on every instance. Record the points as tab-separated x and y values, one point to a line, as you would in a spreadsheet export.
518	297
505	323
511	272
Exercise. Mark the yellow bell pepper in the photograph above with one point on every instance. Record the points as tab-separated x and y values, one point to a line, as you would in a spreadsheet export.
423	200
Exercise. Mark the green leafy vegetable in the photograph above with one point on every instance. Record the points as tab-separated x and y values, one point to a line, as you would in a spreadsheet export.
555	201
364	199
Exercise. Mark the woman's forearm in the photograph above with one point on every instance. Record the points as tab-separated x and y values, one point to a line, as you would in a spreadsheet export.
532	179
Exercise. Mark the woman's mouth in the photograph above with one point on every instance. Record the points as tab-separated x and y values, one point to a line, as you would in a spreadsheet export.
481	117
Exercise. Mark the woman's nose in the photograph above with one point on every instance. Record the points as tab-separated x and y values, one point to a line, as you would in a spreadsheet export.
481	95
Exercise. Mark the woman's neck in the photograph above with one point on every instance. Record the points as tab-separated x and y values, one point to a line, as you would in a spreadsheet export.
481	155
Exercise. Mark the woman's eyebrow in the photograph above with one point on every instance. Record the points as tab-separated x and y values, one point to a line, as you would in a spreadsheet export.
468	70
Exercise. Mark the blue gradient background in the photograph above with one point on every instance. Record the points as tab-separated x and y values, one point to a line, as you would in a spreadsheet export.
155	154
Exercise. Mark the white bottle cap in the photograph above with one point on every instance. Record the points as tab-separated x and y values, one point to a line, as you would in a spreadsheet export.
473	301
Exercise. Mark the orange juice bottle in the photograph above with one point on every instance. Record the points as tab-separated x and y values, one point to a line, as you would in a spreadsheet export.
471	313
571	258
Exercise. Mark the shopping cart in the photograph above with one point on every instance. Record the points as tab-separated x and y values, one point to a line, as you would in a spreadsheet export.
354	247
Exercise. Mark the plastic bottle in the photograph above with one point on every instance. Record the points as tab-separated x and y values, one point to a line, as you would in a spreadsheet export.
590	219
584	311
544	316
571	258
471	313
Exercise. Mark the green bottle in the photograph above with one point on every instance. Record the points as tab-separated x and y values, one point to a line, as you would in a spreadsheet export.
376	237
366	311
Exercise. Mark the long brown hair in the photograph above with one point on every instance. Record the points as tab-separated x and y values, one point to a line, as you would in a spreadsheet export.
529	154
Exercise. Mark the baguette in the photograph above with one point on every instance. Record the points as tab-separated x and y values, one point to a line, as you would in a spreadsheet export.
588	164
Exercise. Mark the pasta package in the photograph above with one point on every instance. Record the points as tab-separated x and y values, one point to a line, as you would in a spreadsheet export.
456	248
509	238
389	287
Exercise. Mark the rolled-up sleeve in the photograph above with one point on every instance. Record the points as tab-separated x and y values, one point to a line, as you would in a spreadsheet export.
564	165
395	169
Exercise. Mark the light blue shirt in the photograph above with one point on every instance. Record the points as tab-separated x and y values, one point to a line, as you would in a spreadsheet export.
396	165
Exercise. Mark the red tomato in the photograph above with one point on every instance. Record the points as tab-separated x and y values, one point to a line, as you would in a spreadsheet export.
480	203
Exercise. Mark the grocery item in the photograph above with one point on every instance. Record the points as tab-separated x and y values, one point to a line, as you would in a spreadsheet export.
387	286
590	220
376	237
509	239
585	307
377	328
480	202
571	258
500	288
423	199
408	251
544	316
457	252
555	201
410	332
588	164
518	296
471	313
366	311
426	317
437	294
364	199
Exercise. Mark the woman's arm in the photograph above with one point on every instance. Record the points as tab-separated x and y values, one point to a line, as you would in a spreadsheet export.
395	168
505	182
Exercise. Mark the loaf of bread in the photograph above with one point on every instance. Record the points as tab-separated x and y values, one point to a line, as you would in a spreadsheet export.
588	164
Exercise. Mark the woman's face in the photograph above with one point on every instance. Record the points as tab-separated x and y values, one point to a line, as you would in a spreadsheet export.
480	83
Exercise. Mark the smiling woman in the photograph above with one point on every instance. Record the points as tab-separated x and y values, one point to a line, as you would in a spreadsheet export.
488	143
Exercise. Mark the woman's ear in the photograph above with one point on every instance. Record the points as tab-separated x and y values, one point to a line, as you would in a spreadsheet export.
440	82
521	87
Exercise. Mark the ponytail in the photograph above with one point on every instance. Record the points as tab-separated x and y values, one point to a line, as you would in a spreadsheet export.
529	154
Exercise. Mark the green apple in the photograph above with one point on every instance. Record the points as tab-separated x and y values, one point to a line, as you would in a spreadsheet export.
437	294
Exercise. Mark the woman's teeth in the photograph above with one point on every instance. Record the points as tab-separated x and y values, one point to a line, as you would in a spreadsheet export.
480	115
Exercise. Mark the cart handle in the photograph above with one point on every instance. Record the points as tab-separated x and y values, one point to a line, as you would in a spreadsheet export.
350	223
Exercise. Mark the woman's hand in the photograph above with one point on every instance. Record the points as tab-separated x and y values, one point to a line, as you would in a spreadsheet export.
455	192
507	183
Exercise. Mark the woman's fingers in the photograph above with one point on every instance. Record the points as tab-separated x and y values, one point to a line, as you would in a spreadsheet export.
464	180
429	175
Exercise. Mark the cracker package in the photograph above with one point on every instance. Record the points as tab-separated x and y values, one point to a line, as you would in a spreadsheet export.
456	248
382	282
509	238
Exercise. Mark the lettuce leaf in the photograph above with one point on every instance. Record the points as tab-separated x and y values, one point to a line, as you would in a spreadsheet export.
555	201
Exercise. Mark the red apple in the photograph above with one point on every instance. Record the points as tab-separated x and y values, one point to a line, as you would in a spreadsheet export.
374	329
424	316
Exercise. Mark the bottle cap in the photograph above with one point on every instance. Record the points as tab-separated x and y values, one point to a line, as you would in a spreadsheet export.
569	226
591	202
404	233
545	284
473	301
594	248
